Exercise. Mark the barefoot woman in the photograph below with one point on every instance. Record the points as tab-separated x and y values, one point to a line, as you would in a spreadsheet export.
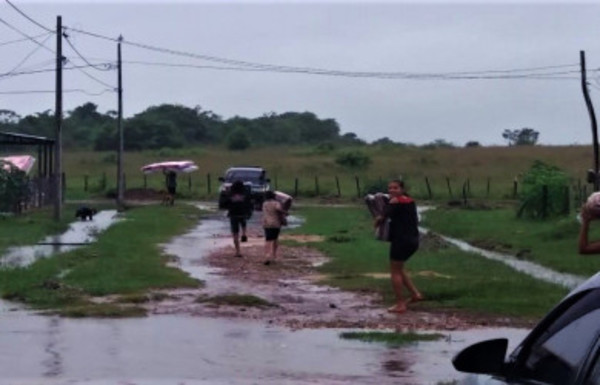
404	241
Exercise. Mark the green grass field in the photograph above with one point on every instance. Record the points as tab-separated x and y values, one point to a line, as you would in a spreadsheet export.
448	277
312	168
126	259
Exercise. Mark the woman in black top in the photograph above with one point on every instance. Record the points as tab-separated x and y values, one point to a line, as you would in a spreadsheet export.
404	241
239	209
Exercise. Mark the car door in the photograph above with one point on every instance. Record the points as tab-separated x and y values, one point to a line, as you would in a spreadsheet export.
560	349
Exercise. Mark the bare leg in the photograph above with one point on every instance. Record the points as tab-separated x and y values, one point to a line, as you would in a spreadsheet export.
275	246
408	283
396	268
268	249
236	243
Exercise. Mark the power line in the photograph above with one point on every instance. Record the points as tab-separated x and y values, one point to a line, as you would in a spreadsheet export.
24	34
29	18
97	67
31	72
21	40
28	56
241	65
75	90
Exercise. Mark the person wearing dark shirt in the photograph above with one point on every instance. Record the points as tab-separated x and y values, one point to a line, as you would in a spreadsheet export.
239	209
404	242
171	182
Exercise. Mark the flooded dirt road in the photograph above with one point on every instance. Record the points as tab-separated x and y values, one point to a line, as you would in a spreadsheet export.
183	341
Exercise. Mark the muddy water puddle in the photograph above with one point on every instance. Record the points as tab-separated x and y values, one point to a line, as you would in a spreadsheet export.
78	234
189	350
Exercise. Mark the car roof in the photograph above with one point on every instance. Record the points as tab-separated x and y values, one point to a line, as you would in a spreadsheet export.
592	283
246	168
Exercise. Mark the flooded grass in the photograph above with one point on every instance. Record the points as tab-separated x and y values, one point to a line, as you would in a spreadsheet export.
125	259
551	243
476	285
245	300
390	339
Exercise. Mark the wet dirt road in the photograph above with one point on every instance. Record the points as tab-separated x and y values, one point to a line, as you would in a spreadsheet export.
183	342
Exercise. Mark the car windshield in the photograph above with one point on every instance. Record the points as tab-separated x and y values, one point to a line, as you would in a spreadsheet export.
243	175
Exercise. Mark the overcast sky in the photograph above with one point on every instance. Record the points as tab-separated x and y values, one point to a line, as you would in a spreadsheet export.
385	37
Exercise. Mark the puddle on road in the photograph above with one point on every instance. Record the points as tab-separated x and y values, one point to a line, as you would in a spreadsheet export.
164	349
80	232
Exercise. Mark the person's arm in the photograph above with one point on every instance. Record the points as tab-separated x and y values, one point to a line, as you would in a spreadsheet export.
585	247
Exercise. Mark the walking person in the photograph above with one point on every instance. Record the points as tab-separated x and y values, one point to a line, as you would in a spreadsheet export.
401	212
273	217
590	211
171	182
239	209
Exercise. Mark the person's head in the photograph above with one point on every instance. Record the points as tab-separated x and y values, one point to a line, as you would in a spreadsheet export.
269	195
396	188
237	187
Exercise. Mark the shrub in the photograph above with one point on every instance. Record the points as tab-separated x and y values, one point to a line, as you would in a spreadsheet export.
13	187
543	179
238	140
353	159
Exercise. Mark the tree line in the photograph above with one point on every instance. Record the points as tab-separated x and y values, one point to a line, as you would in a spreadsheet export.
176	126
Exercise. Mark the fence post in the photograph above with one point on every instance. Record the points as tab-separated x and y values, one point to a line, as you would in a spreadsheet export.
85	183
296	187
515	187
464	193
449	187
64	186
428	188
337	184
357	186
208	189
124	182
317	185
544	201
469	187
488	187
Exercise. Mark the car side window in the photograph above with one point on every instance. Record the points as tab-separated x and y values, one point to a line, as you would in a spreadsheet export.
556	356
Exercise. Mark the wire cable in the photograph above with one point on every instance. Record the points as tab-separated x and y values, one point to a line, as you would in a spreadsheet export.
24	34
21	40
29	18
97	67
29	55
75	90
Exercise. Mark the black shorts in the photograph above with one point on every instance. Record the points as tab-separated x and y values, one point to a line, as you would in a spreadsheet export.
171	190
236	223
401	251
272	233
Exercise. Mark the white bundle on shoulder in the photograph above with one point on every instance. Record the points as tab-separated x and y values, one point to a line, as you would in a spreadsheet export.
592	205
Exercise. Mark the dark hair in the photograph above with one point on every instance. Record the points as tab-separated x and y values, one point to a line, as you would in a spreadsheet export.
401	184
269	195
237	187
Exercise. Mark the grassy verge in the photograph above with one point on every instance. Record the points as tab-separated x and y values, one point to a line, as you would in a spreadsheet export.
126	259
552	243
391	339
448	277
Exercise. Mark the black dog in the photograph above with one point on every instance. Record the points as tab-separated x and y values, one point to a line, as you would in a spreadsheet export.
85	213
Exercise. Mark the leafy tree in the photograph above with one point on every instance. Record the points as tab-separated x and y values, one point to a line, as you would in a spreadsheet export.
385	141
439	143
238	140
523	137
544	192
13	186
472	143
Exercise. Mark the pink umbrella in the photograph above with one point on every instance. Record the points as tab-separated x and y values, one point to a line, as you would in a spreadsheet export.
177	166
22	162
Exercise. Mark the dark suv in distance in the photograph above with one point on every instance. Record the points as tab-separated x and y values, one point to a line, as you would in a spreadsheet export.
563	349
254	178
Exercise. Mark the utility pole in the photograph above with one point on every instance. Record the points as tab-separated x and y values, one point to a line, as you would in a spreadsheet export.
58	119
120	187
590	107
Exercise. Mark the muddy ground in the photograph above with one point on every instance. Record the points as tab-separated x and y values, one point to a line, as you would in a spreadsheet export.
293	288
